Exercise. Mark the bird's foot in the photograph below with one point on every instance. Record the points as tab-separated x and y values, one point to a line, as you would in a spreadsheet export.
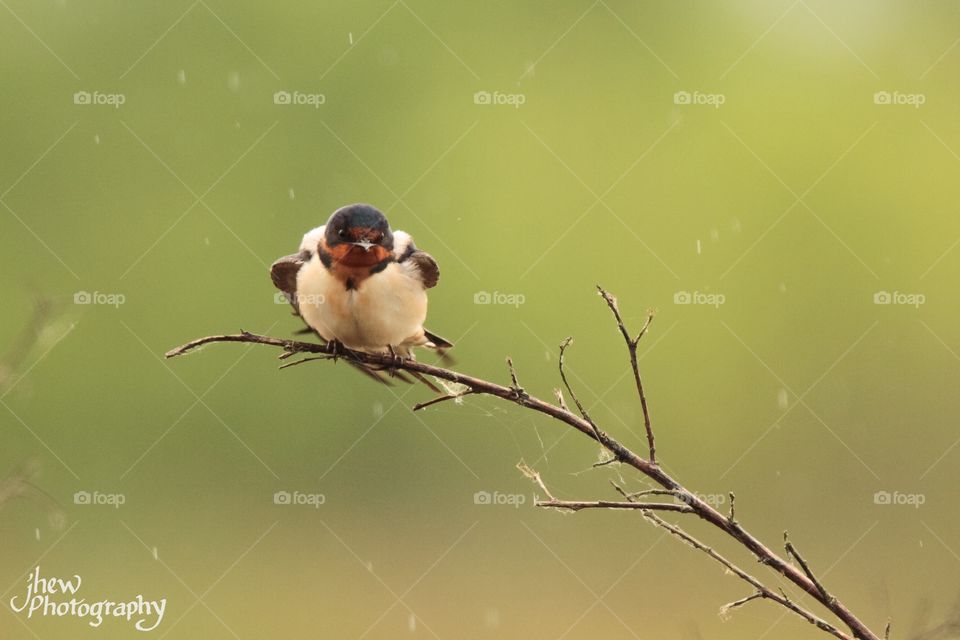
335	348
398	359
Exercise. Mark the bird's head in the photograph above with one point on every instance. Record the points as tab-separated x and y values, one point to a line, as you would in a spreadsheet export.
358	235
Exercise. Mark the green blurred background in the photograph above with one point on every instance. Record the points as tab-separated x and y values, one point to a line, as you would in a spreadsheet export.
796	200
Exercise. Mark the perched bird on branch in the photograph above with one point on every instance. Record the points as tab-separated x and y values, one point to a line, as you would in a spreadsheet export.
357	283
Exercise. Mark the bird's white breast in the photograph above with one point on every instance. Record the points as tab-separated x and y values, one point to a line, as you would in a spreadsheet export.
387	308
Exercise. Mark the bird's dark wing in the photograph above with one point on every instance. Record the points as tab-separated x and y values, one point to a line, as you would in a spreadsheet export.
284	272
427	268
406	253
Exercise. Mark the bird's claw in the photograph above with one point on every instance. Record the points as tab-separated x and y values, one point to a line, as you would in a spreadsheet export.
397	358
334	348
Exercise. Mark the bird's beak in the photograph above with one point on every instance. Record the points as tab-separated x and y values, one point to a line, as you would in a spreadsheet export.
366	245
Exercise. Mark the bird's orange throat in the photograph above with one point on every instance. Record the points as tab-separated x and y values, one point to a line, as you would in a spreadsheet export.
352	264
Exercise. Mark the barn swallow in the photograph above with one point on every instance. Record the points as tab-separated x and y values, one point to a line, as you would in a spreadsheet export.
357	283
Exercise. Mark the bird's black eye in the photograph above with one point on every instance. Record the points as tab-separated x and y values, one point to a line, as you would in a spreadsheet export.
342	233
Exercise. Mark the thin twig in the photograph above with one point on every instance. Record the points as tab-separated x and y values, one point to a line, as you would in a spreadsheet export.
632	343
563	376
558	394
577	505
303	360
604	463
792	552
514	383
439	399
730	606
533	475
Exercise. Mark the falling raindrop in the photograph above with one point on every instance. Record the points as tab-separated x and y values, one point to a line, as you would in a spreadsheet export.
350	37
377	409
699	248
782	398
156	553
206	241
96	138
182	77
233	81
293	196
36	533
369	566
412	622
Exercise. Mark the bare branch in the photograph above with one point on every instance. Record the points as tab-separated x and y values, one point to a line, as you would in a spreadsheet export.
43	316
585	425
781	599
611	301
